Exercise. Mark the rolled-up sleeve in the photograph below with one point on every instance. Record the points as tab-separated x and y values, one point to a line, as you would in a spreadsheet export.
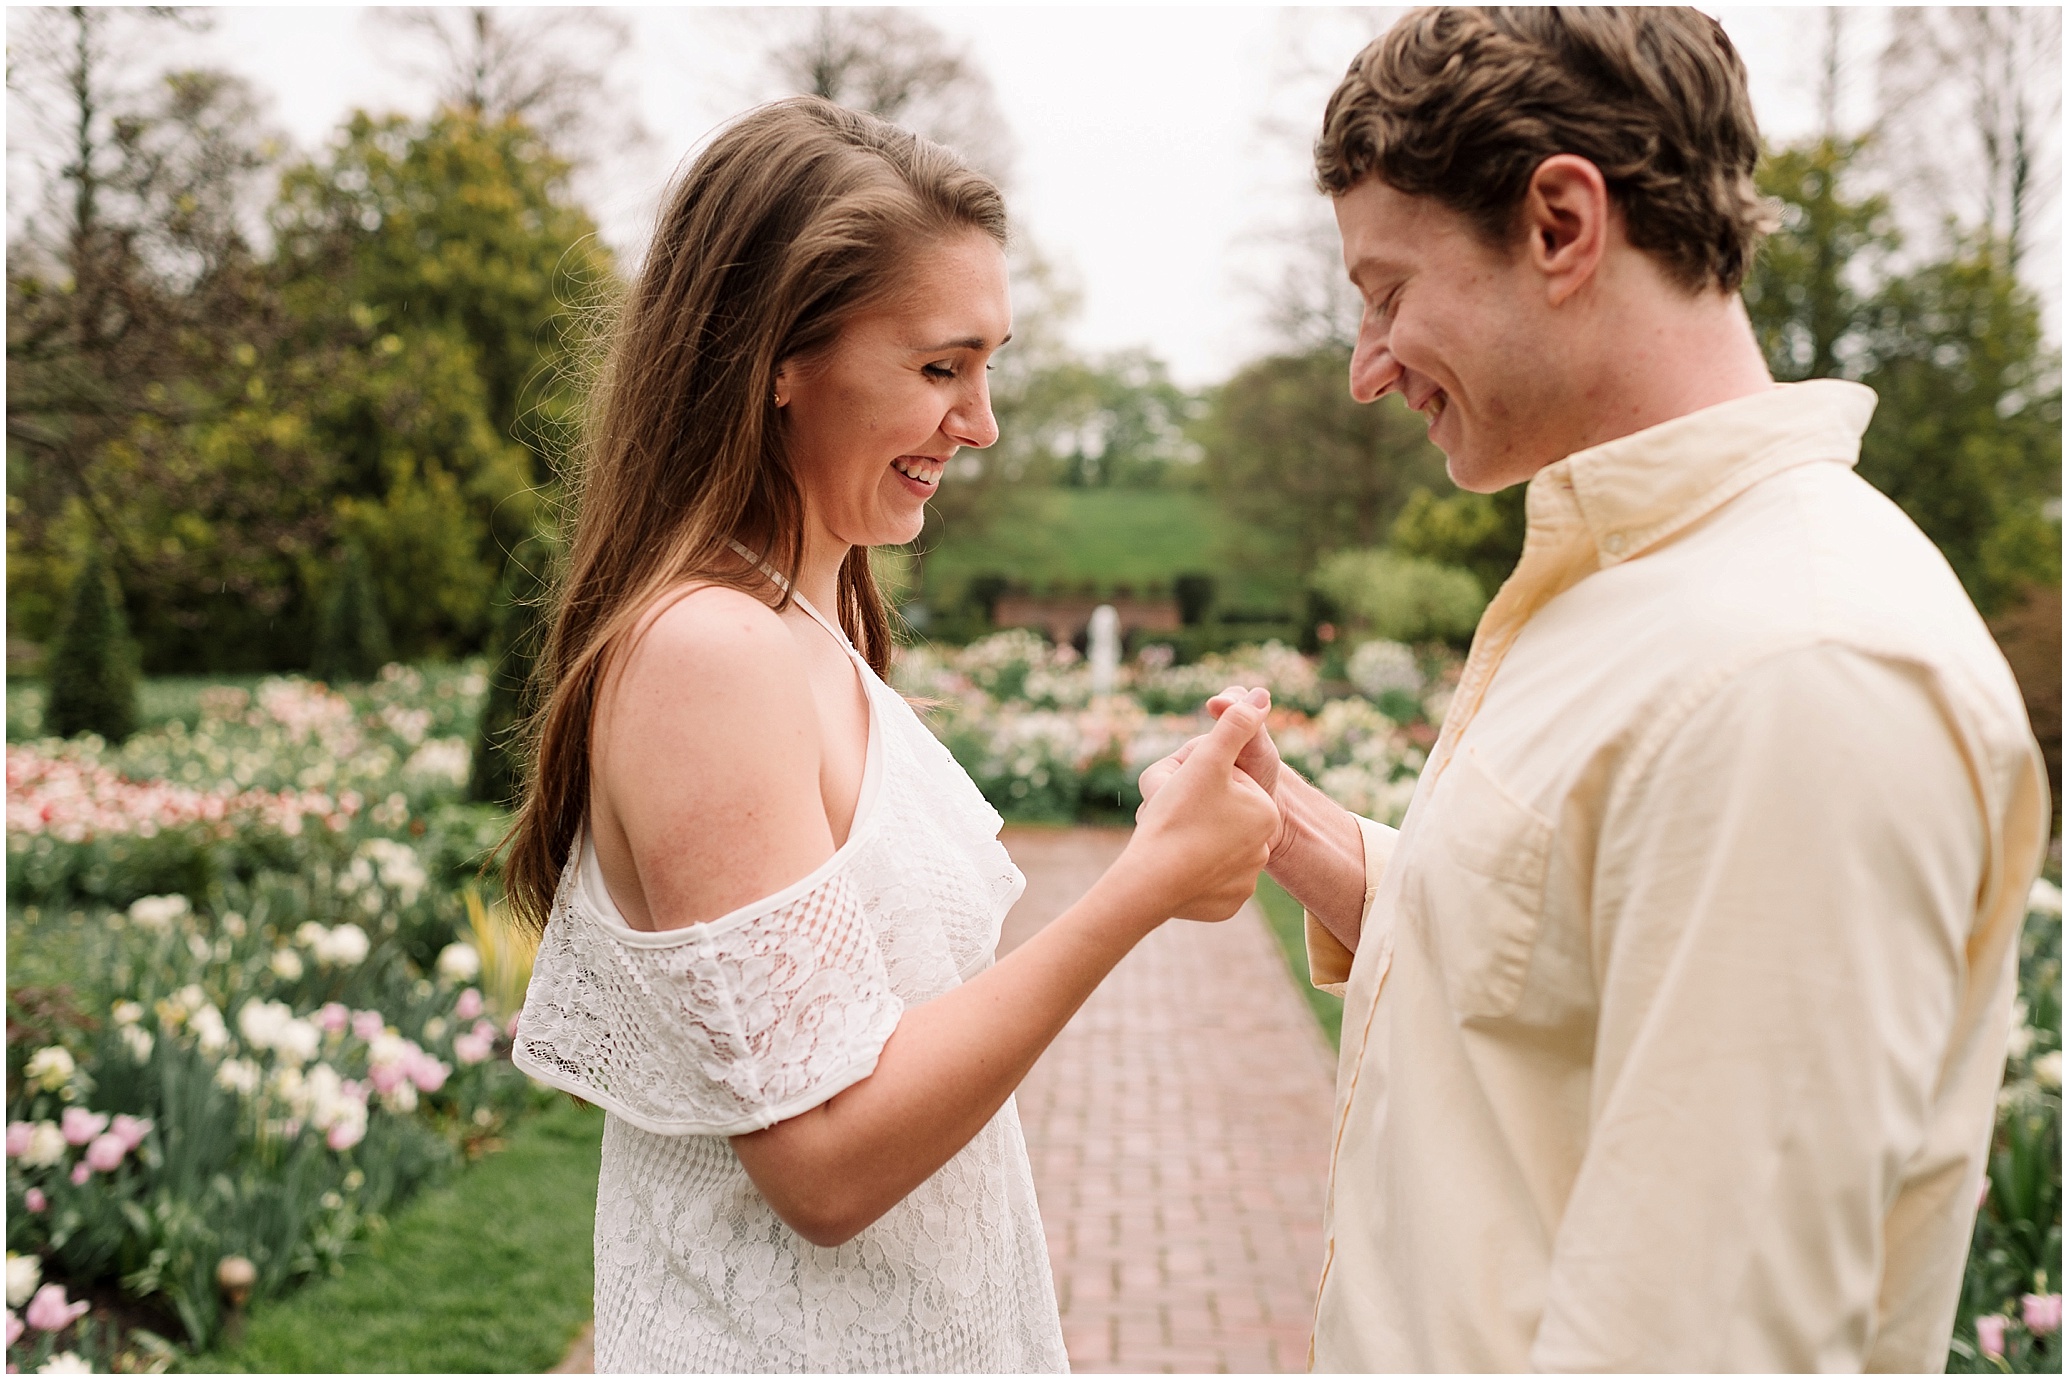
1783	900
1328	958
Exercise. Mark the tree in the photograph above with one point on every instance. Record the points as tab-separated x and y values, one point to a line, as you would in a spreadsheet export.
352	643
1305	467
1478	533
894	64
93	665
500	761
1811	281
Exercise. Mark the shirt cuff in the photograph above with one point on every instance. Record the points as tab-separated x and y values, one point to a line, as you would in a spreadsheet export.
1328	959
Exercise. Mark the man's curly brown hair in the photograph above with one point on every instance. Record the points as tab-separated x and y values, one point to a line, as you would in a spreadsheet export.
1463	104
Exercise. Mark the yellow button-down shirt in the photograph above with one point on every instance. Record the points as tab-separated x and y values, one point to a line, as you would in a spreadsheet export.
1672	1037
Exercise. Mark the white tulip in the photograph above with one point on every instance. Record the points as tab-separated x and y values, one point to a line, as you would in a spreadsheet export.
459	963
24	1273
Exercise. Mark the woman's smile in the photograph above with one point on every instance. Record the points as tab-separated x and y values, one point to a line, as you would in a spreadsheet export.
920	474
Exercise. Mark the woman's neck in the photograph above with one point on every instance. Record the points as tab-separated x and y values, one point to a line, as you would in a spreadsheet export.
818	569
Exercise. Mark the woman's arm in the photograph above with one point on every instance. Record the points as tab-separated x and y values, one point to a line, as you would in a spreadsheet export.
711	692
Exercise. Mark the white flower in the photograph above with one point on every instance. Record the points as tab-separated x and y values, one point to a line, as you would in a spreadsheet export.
344	946
297	1042
289	1086
286	965
311	935
24	1273
447	761
210	1032
66	1363
139	1042
127	1013
233	924
239	1076
156	913
50	1068
1379	666
260	1022
46	1146
434	1029
199	946
2045	897
2047	1069
400	1099
459	963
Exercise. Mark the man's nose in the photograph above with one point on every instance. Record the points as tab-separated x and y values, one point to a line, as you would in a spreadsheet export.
1373	370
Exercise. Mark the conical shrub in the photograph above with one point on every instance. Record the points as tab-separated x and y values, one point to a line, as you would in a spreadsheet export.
352	637
514	645
93	665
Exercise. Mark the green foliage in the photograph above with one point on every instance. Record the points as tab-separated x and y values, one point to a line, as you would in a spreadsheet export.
1305	468
352	643
1481	533
513	651
93	671
491	1274
1288	922
1967	436
1402	598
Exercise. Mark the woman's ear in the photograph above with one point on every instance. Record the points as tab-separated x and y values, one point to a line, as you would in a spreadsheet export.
782	387
1565	214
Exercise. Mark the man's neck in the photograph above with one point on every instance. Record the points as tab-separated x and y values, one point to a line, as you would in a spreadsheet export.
1668	355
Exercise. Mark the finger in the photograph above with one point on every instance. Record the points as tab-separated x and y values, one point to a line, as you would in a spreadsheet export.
1260	697
1237	725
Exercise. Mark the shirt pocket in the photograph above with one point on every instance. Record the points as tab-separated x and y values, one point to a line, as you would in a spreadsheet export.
1481	889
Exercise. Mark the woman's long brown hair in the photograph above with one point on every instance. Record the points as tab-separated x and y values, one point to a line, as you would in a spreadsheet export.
797	216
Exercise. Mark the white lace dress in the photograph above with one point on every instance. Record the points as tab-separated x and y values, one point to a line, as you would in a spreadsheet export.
689	1036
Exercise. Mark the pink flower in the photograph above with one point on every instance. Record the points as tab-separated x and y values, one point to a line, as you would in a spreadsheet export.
385	1077
1989	1335
106	1152
81	1126
15	1328
18	1133
34	1200
131	1130
468	1006
48	1311
345	1134
81	1172
427	1073
334	1017
2042	1314
473	1047
368	1025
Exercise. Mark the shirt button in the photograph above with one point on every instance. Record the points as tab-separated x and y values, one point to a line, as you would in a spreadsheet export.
1613	543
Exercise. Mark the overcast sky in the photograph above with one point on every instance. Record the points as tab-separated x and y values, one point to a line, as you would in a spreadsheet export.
1157	146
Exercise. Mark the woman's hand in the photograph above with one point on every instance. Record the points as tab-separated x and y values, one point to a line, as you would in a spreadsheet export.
1258	759
1208	830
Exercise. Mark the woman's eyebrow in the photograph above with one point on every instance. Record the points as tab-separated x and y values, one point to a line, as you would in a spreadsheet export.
970	342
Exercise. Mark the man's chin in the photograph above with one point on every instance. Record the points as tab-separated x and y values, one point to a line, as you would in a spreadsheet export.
1478	473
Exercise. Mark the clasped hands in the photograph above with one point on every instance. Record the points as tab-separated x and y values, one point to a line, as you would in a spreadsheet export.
1208	819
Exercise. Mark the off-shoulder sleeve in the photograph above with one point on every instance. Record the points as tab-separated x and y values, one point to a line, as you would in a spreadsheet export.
715	1029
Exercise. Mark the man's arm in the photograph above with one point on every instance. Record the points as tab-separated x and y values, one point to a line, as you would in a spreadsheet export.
1783	904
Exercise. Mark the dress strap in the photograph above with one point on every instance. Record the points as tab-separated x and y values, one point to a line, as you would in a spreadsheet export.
839	633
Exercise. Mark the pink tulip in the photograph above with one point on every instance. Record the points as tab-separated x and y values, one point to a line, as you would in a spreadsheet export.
18	1133
1989	1335
427	1073
334	1017
368	1025
473	1047
106	1152
468	1006
386	1077
81	1126
15	1328
131	1130
345	1135
2042	1314
81	1172
48	1311
34	1200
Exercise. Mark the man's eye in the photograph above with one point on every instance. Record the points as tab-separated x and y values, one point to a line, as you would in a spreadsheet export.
939	371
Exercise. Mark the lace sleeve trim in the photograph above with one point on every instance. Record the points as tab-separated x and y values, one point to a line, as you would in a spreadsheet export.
727	1027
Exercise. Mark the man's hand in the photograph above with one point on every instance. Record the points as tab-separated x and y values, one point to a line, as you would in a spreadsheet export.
1209	831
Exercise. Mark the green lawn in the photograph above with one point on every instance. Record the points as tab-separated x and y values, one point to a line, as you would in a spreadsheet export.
1108	537
494	1273
1290	930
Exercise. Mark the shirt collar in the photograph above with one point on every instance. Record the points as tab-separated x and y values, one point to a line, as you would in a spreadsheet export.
1637	490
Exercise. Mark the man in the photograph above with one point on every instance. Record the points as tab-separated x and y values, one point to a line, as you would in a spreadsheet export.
1676	1009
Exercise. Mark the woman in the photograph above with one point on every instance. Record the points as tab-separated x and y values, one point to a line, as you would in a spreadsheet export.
770	899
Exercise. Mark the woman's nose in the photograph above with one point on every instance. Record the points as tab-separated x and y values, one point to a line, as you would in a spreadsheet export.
971	423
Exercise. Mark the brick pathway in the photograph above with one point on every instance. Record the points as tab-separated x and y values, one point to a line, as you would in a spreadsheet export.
1179	1133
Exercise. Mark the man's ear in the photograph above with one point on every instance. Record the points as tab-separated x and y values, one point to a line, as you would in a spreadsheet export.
1565	216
